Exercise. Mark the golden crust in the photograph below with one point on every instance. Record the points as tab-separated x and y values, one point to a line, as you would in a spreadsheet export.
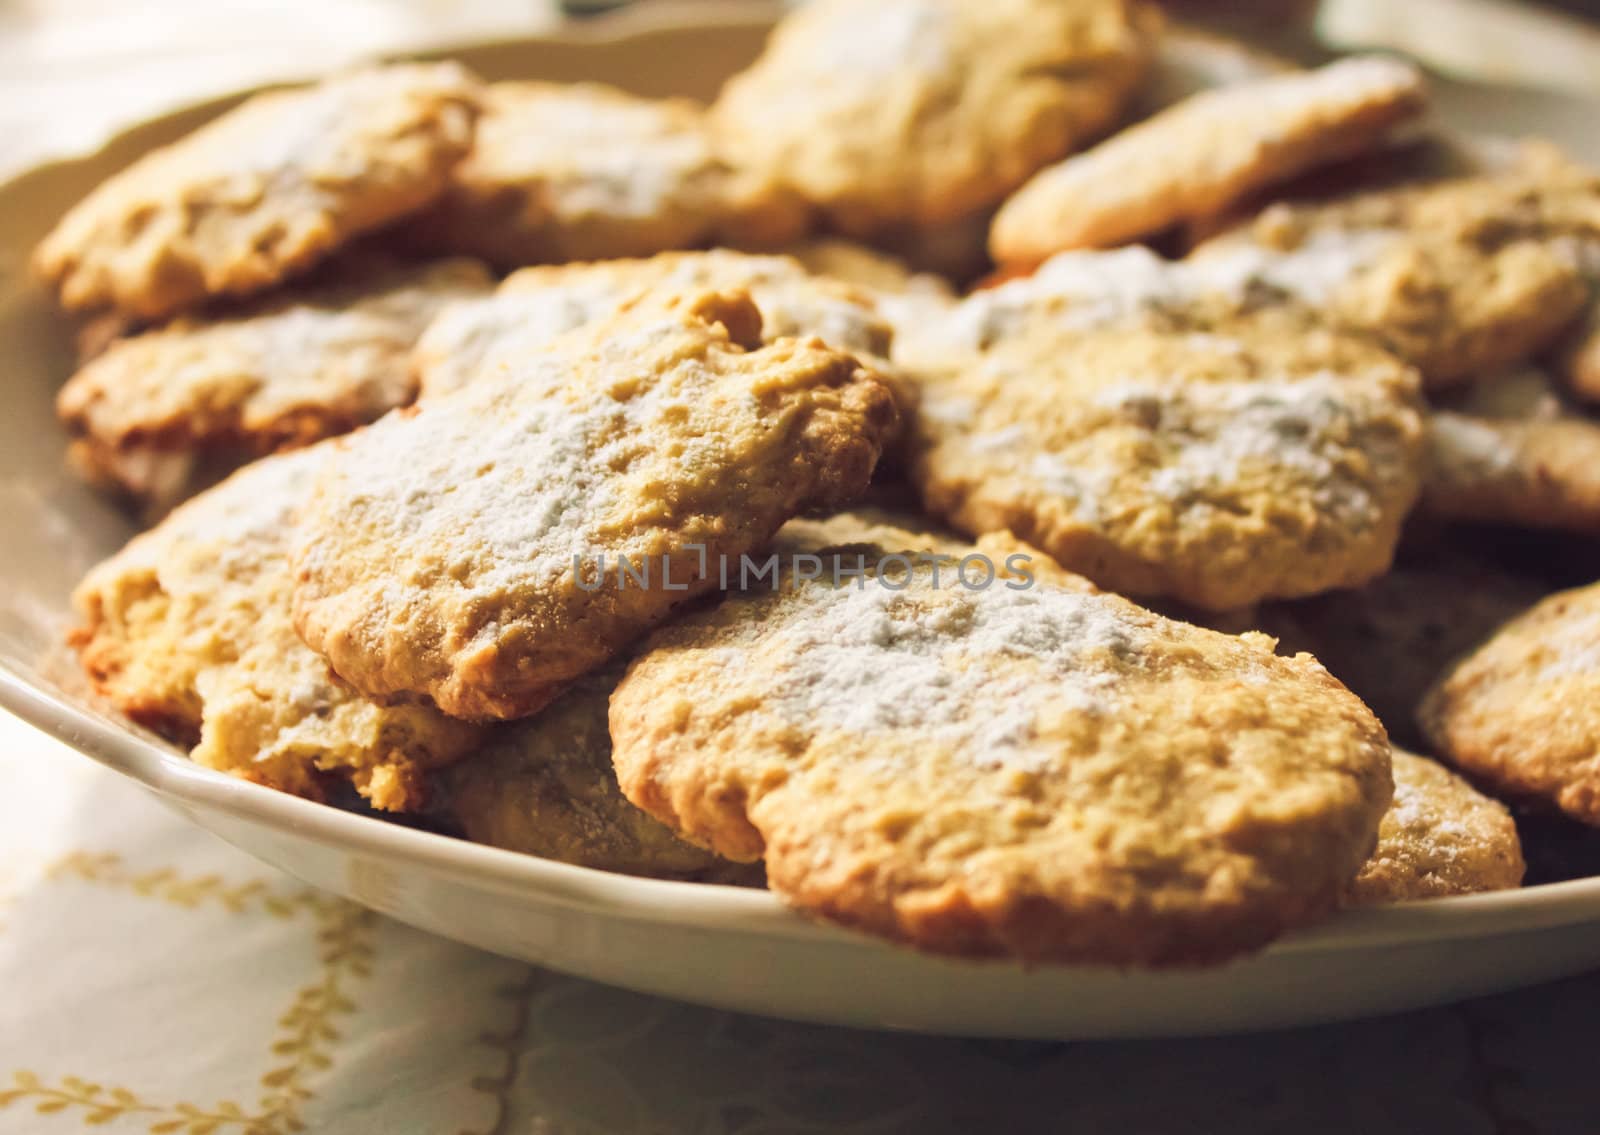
1518	714
920	112
1047	772
1200	156
263	192
1441	837
277	374
187	630
1260	459
438	557
583	171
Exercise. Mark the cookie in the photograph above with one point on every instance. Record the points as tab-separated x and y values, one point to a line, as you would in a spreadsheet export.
471	550
1201	155
1260	459
187	630
1518	713
1041	771
475	338
263	192
545	787
1441	837
913	113
1391	640
583	171
1460	277
1533	473
152	410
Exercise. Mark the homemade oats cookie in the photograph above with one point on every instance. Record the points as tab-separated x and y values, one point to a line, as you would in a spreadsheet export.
1391	640
187	630
479	338
1201	155
153	410
264	191
1044	772
454	551
1519	714
545	787
1440	837
1261	459
1460	277
582	171
1530	473
920	112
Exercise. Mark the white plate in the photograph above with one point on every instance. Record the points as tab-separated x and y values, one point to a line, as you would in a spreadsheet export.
719	946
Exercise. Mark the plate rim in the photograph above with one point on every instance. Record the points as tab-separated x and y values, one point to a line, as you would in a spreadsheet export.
118	745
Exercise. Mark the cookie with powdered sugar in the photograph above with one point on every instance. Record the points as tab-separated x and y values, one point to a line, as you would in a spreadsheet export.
989	764
1519	715
187	630
916	113
1198	157
1510	451
1264	458
1461	277
468	550
154	413
480	338
1440	837
263	192
582	171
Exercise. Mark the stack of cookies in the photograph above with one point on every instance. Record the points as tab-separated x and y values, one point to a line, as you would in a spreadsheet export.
648	486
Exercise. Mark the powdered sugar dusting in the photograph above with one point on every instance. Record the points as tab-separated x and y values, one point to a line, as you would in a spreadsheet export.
1084	290
971	670
1206	442
1575	651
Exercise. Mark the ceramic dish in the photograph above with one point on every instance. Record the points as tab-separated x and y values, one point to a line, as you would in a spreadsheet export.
720	946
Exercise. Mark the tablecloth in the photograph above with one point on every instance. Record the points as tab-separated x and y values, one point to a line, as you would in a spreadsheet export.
154	979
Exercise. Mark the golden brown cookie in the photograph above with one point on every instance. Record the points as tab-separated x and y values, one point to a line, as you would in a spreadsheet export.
152	409
913	113
545	787
1460	277
583	171
187	630
470	550
1261	458
264	191
1201	155
1440	837
1044	772
1519	713
474	339
1530	473
1391	640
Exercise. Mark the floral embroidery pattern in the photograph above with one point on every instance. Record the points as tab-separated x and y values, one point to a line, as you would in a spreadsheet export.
308	1029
